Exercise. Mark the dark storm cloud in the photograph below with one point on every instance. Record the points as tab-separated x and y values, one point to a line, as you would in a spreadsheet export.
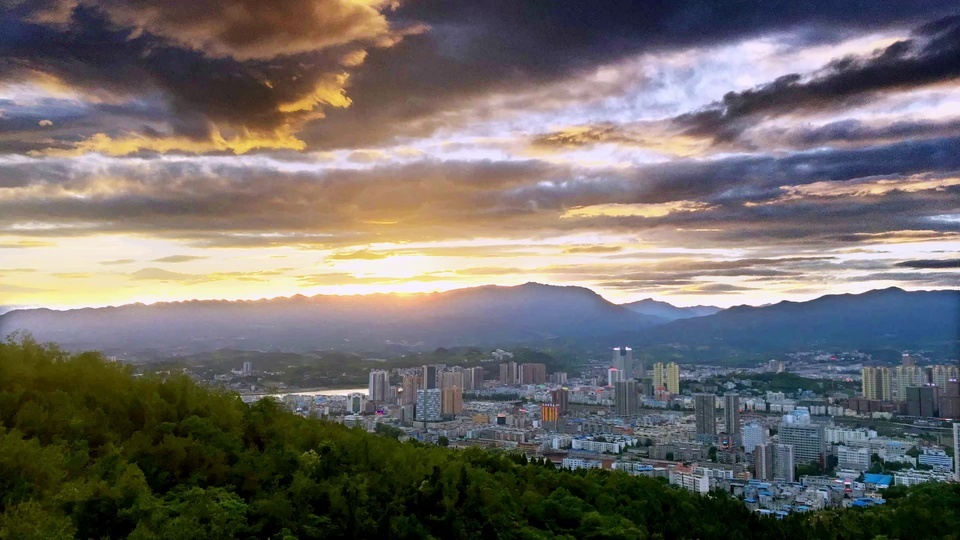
475	48
930	264
929	57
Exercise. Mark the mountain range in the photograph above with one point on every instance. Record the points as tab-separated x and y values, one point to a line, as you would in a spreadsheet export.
493	315
669	312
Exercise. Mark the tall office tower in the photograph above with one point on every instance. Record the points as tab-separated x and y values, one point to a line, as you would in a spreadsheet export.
808	441
705	411
623	360
509	373
429	378
763	462
561	397
754	435
429	405
731	413
533	373
956	451
922	401
451	400
950	400
410	385
783	463
941	375
626	397
614	376
356	402
908	376
379	383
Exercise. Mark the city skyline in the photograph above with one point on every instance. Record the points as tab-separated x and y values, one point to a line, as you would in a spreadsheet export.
698	154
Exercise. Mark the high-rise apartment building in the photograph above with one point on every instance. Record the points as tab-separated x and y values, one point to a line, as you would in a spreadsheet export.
626	397
409	387
950	400
705	415
907	376
356	403
509	373
783	463
922	401
550	413
614	376
807	439
473	378
941	375
429	378
667	376
561	398
763	462
754	434
877	383
429	405
731	413
623	360
379	383
451	400
533	373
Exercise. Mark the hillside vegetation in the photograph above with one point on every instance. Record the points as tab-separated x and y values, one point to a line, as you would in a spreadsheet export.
88	451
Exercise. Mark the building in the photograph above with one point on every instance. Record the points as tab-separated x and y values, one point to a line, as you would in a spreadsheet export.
429	378
646	386
623	361
754	435
731	413
941	375
550	413
807	440
559	377
409	386
379	382
561	397
509	374
763	462
450	379
907	376
690	481
950	400
705	414
247	368
533	373
614	376
850	457
783	463
667	376
451	400
877	383
626	397
956	451
937	459
429	405
473	378
356	403
922	401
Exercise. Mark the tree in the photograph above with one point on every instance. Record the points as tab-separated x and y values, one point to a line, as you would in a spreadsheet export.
443	441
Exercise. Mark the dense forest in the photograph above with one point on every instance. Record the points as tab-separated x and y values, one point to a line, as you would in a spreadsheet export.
88	451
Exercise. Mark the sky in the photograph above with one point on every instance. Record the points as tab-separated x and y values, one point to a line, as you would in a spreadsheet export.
698	152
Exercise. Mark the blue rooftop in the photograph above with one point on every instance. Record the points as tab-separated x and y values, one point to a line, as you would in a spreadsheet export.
878	479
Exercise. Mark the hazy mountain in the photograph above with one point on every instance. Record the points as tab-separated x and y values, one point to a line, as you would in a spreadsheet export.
888	317
482	315
669	312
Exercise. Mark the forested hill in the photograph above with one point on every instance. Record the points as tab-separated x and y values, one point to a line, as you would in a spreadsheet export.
87	451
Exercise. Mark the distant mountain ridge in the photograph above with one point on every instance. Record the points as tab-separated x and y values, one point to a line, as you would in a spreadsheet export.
473	316
669	312
880	318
